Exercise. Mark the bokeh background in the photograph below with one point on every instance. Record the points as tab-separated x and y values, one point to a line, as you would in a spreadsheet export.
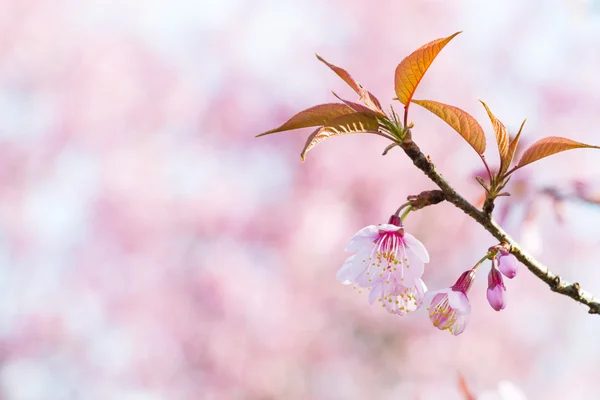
151	248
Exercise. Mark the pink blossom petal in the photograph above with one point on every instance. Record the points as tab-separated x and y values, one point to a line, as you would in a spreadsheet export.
495	297
346	272
375	292
508	265
439	311
459	302
362	238
438	297
459	326
352	268
365	280
421	287
415	247
411	265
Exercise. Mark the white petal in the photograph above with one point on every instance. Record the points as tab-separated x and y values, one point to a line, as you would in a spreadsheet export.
419	290
412	269
459	302
351	268
428	297
460	324
375	292
416	247
420	287
363	238
388	228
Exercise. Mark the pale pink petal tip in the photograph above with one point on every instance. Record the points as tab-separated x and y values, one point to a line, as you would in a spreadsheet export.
416	247
508	265
495	297
365	237
350	270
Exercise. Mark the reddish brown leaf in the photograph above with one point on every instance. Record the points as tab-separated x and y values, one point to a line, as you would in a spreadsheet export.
501	138
548	146
458	119
314	116
411	70
512	148
346	124
365	96
464	388
355	106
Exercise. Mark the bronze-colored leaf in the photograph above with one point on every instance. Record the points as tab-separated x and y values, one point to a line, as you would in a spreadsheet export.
548	146
464	388
411	70
512	148
501	138
314	116
356	106
458	119
365	96
346	124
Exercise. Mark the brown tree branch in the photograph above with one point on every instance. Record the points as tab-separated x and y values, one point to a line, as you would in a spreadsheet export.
555	282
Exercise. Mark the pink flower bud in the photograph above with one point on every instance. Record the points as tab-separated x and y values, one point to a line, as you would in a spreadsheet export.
450	308
507	264
496	289
464	281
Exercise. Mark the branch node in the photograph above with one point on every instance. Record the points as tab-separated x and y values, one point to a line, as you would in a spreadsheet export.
426	198
488	206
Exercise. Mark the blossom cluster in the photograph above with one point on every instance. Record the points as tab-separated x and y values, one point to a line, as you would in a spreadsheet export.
389	263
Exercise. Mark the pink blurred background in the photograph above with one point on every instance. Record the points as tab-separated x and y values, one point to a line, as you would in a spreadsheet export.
151	248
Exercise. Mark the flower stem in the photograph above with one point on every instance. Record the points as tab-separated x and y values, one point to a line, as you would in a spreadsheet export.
405	213
401	207
481	261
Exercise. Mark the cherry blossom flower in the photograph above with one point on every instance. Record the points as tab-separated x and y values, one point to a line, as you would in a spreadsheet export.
496	289
388	262
507	264
450	308
397	298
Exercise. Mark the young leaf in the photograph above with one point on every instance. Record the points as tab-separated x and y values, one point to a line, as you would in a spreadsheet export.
346	124
355	106
512	149
501	138
365	96
314	116
411	70
458	119
548	146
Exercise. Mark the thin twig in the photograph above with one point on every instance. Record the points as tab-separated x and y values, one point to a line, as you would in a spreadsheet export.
555	282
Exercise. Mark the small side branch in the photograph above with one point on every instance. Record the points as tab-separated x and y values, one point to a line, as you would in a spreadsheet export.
555	282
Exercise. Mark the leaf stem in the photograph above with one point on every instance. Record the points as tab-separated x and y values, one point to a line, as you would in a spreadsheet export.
383	135
487	168
516	167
